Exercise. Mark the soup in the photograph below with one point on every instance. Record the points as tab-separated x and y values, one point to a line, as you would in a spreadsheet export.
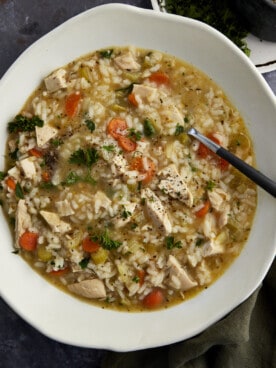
110	199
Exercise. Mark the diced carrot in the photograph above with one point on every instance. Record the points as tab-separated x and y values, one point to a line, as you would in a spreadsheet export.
141	275
45	176
203	210
154	299
72	104
116	127
89	245
35	152
137	164
11	183
28	241
204	151
58	273
159	78
126	143
131	98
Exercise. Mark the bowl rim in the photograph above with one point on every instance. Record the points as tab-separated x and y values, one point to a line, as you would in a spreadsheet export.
141	341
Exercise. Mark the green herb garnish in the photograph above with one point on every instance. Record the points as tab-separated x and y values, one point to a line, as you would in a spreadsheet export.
171	243
199	242
106	53
13	154
136	279
219	14
84	263
125	90
90	125
56	142
19	191
134	134
105	241
71	178
179	129
148	128
210	185
109	148
2	175
23	124
125	214
86	157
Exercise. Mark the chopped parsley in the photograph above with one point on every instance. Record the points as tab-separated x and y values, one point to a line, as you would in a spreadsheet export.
219	14
210	185
13	154
133	225
56	142
71	178
106	53
179	129
125	90
134	134
148	128
125	214
109	148
90	125
105	241
19	191
84	263
136	279
171	243
23	124
86	157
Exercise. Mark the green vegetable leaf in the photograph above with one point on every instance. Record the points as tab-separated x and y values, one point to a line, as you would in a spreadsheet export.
134	134
23	124
105	241
136	279
199	242
149	130
106	53
56	142
72	178
171	243
86	157
19	191
179	130
109	148
84	263
210	185
90	125
125	214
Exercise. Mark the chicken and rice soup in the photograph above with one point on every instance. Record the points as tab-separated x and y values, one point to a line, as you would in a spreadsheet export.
108	196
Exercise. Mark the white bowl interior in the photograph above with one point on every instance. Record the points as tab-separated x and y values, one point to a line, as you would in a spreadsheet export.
69	320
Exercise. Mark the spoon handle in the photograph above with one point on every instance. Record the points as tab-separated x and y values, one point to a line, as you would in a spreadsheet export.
253	174
256	176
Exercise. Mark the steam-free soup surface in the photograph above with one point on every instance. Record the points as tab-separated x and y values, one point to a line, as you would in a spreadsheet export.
112	200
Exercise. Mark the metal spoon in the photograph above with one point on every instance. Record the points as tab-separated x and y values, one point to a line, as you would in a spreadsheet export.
249	171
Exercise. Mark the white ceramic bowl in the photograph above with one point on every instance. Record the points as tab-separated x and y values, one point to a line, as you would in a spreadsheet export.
71	321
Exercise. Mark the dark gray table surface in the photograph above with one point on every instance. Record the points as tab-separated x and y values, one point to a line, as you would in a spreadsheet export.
21	23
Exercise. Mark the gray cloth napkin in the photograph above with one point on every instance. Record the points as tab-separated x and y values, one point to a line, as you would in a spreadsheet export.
246	338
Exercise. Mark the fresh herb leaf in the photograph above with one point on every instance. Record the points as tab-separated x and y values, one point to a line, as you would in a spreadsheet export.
23	124
125	214
148	128
84	263
109	148
217	13
186	119
90	125
86	157
133	225
106	53
56	142
72	178
47	185
136	279
134	134
106	242
171	243
179	130
19	191
210	185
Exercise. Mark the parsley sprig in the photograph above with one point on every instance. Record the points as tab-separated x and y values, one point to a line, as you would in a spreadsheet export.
105	241
86	157
23	124
171	243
